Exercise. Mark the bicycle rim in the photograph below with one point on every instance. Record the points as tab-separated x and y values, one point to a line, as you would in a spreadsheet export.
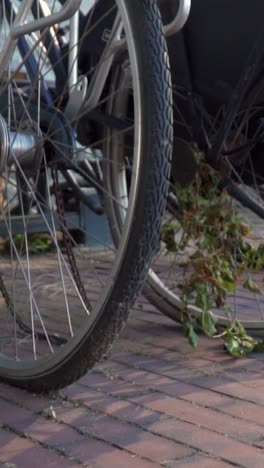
63	303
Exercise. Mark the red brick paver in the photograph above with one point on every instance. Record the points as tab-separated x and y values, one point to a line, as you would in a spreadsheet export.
154	402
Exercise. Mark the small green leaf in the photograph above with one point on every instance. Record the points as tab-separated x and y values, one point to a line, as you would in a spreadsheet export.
228	285
208	323
168	237
203	241
203	301
232	346
191	334
251	286
239	345
239	329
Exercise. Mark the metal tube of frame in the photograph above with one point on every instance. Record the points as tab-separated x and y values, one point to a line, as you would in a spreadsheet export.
97	84
180	19
66	12
73	51
10	44
20	27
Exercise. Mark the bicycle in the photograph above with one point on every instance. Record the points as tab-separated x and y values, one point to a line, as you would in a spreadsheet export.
62	66
217	74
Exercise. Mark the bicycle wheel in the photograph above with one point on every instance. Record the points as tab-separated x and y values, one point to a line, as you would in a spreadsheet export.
231	139
63	304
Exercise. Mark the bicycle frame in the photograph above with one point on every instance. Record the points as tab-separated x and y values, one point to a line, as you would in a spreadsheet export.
180	19
18	30
69	11
80	94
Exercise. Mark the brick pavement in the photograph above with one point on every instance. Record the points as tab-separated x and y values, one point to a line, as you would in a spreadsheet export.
153	402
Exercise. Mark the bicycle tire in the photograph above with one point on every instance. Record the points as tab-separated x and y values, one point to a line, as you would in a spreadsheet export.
151	80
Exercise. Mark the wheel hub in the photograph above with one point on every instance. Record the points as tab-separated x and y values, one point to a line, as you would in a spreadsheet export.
18	147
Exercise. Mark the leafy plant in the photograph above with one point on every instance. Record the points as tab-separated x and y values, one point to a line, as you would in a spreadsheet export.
35	243
221	254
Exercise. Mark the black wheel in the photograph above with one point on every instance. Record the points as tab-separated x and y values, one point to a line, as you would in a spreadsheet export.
63	304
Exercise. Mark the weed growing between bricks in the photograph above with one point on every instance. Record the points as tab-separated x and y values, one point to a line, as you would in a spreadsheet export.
221	254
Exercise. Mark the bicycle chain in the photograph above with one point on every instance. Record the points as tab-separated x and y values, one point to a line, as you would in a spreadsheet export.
66	238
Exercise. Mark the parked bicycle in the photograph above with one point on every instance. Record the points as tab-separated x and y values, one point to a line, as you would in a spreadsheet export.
217	70
68	69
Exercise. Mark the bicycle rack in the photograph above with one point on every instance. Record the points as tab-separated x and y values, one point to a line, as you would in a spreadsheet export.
180	19
19	28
